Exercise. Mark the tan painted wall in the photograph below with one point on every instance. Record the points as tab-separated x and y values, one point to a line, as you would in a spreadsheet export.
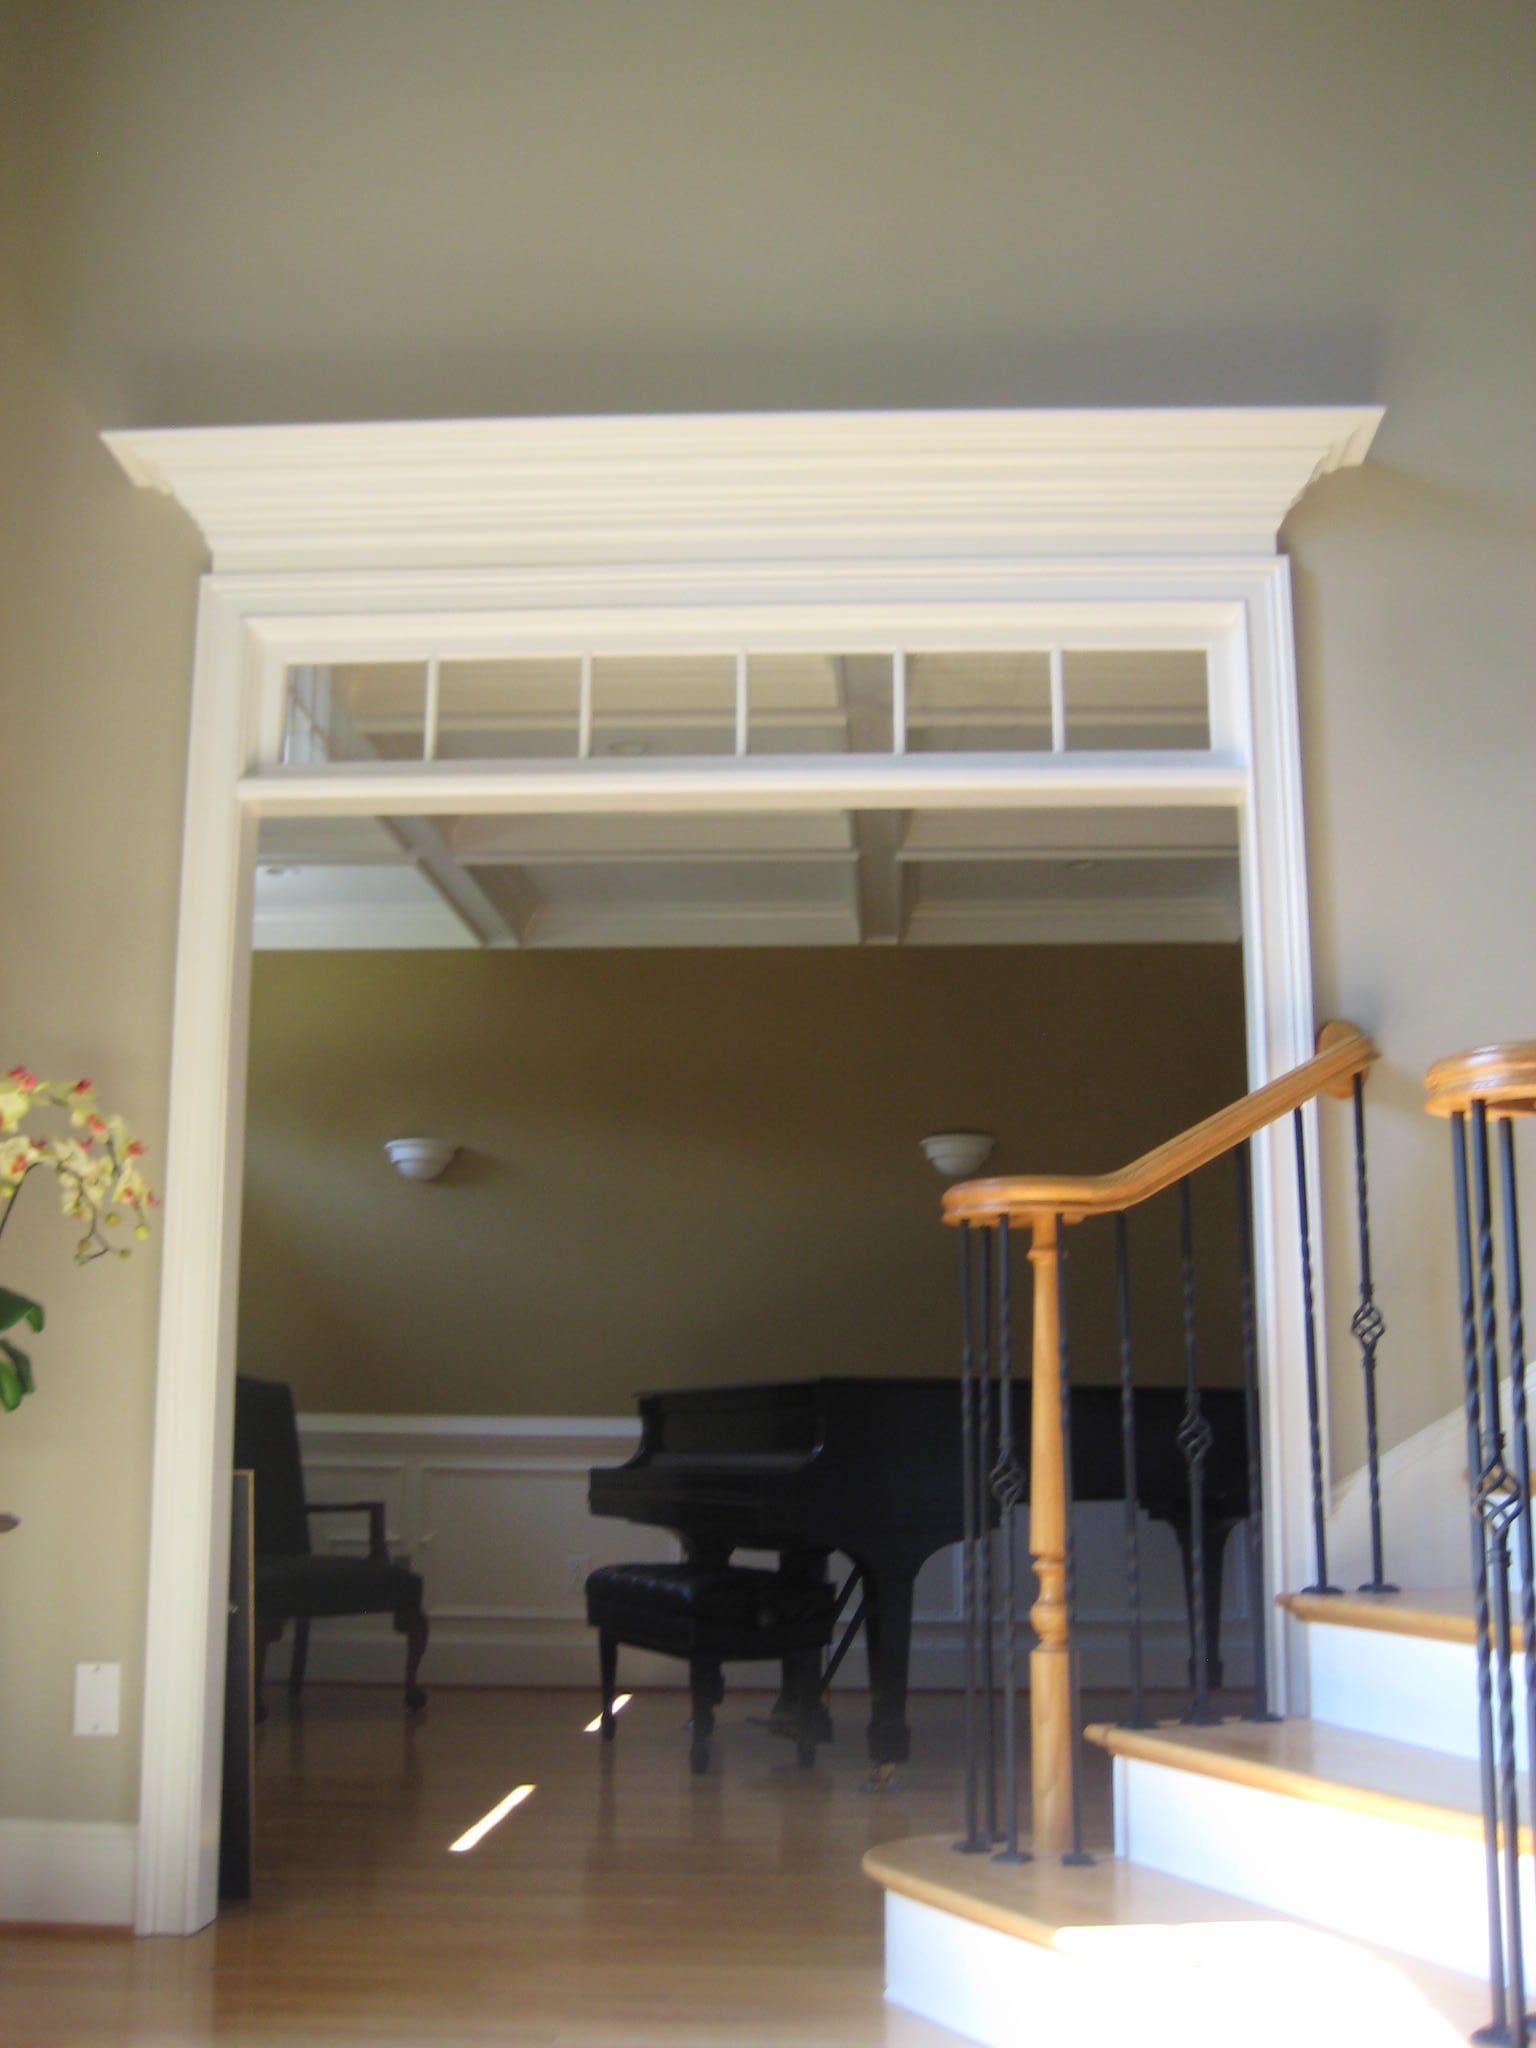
292	210
681	1168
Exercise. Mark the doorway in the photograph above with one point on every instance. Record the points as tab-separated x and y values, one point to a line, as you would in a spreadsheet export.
367	546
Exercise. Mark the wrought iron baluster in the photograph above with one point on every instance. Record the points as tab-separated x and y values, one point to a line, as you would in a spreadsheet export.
1473	1404
968	1462
1500	1501
984	1599
1008	1486
1522	1446
1260	1710
1076	1854
1195	1439
1368	1327
1309	1310
1138	1715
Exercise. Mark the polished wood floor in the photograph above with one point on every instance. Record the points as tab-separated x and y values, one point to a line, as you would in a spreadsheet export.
625	1902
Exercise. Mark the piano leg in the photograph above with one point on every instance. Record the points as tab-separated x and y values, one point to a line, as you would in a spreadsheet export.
707	1686
800	1711
888	1633
608	1672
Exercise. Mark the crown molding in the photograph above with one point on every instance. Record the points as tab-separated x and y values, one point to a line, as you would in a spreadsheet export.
758	486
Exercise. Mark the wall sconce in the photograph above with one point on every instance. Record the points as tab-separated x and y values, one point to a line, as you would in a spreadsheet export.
957	1154
419	1158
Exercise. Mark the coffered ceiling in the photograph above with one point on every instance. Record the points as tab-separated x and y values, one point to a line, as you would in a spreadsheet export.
803	878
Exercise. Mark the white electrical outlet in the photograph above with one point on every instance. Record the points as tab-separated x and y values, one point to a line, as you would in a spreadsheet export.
98	1698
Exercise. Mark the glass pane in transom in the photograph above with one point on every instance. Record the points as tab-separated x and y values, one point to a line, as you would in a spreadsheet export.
819	703
665	704
1135	698
966	703
356	711
525	709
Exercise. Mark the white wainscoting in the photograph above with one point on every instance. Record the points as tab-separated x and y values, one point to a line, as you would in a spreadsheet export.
492	1510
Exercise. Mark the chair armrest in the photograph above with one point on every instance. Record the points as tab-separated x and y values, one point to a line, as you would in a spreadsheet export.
378	1549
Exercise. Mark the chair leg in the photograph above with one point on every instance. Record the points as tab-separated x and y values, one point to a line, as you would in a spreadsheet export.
413	1626
300	1658
608	1671
267	1633
708	1689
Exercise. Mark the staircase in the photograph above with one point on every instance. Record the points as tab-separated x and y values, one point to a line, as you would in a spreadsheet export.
1312	1880
1315	1880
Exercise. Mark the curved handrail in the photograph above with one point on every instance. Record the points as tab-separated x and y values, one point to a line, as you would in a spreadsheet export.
1343	1052
1502	1076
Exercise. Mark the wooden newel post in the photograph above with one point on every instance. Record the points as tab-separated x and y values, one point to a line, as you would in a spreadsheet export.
1050	1670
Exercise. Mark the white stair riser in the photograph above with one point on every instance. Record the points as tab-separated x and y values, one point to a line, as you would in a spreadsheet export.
1181	1986
1418	1890
1406	1688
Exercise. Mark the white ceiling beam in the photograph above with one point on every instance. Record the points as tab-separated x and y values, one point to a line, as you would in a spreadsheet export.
424	844
881	892
482	917
648	857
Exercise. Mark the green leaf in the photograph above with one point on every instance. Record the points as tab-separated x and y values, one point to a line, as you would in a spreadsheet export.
10	1386
18	1308
22	1363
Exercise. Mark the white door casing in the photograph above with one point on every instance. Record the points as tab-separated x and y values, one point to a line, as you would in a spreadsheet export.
408	542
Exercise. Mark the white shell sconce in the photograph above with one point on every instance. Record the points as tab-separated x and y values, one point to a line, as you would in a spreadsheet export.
420	1158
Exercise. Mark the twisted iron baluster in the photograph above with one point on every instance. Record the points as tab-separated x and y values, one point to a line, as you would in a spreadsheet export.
1518	1402
1195	1439
1008	1486
1497	1989
973	1839
1076	1854
1260	1710
1138	1716
984	1551
1501	1501
1368	1328
1314	1423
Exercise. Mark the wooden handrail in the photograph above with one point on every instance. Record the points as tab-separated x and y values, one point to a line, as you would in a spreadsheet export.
1343	1052
1502	1076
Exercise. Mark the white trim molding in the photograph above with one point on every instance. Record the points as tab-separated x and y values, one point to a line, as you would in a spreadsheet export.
370	543
748	486
71	1872
492	1511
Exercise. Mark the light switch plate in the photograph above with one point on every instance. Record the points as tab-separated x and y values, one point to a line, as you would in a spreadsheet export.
98	1697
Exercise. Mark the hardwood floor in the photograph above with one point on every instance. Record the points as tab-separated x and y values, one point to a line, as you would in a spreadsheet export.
624	1902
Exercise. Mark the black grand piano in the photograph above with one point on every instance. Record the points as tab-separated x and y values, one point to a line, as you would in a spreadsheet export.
871	1468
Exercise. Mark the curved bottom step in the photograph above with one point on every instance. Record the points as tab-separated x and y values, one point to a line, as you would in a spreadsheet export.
1038	1953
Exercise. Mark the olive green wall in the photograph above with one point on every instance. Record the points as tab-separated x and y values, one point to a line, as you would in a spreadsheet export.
331	209
687	1167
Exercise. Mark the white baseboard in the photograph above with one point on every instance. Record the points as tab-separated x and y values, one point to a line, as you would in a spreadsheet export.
71	1871
493	1512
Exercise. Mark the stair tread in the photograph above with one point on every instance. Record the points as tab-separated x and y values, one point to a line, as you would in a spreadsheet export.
1328	1765
1033	1901
1079	1912
1440	1614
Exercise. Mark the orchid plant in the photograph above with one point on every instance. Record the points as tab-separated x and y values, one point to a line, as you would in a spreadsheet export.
96	1159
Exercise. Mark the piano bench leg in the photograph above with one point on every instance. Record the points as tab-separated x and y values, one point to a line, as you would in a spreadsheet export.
708	1689
608	1668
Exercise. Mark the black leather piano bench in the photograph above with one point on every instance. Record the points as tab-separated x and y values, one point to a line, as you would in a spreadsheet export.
712	1615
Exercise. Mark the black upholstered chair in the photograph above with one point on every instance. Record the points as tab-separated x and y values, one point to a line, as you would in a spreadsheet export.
292	1583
